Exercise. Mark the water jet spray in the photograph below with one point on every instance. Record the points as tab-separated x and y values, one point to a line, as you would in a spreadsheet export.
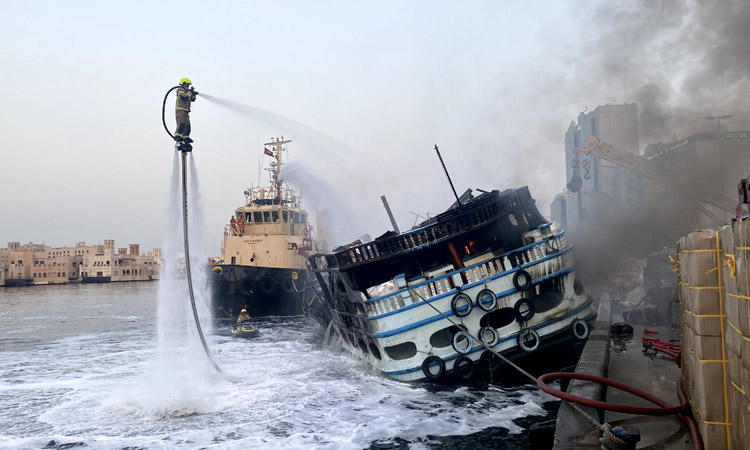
185	147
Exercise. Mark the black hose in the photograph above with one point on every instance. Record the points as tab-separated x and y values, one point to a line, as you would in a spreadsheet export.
163	107
187	261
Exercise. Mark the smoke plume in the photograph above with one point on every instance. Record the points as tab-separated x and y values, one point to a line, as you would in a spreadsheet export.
679	61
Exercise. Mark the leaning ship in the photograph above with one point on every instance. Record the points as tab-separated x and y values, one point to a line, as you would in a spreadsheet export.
264	251
416	305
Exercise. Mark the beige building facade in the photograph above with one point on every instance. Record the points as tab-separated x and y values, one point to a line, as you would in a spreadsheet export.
39	264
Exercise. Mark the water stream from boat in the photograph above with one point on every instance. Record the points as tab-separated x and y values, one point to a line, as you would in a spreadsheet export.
310	136
335	223
340	225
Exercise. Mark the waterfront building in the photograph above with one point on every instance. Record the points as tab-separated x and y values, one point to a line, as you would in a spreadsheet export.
36	264
132	266
97	264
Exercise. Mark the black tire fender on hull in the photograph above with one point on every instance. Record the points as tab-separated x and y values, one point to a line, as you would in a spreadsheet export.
427	366
266	283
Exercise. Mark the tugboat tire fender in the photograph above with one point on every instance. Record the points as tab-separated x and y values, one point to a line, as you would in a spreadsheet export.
524	310
429	361
463	368
287	285
463	348
528	340
489	361
495	337
461	310
247	286
580	329
482	296
522	280
267	285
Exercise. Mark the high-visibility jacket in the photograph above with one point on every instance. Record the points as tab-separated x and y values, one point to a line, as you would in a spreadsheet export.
184	97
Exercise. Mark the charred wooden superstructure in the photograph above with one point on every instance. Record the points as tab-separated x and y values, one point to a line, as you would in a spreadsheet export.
492	262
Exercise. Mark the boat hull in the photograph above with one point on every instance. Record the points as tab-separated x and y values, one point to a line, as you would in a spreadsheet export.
96	279
262	291
17	282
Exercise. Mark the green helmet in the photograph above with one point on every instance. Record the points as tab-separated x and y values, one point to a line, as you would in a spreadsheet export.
185	80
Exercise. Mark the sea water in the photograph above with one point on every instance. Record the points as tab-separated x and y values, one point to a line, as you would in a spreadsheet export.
75	362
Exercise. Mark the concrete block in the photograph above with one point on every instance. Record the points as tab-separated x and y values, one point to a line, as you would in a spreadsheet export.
579	431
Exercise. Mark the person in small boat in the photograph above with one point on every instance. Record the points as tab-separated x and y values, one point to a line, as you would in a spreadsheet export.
243	316
185	95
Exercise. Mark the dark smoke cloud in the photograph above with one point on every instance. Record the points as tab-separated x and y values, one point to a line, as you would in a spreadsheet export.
679	61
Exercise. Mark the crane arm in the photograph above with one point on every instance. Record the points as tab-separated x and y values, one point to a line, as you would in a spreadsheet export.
693	190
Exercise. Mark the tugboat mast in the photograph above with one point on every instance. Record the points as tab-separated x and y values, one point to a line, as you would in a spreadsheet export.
277	145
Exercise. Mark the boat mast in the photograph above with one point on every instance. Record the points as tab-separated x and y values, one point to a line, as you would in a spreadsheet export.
278	145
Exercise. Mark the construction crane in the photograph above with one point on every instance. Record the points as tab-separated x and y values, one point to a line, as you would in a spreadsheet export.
691	189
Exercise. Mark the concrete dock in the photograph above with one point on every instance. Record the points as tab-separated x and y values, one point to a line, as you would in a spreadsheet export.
625	361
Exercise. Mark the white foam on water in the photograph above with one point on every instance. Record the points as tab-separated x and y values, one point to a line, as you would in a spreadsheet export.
107	392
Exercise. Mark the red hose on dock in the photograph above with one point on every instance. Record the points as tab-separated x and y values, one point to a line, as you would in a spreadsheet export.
664	409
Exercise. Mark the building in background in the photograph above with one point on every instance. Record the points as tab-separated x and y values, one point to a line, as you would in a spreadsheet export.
591	180
646	201
558	208
35	264
132	266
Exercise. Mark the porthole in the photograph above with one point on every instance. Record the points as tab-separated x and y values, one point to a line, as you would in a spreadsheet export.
401	351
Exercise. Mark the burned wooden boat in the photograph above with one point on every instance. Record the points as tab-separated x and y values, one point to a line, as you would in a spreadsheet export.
416	305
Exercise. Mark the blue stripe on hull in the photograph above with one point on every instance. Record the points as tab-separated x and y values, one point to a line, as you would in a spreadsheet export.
394	332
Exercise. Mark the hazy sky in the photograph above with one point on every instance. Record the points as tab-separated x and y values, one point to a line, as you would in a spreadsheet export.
84	157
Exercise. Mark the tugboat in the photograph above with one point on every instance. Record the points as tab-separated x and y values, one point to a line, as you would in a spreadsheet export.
414	306
263	255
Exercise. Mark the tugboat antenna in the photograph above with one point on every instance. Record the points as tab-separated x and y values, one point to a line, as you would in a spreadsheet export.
458	200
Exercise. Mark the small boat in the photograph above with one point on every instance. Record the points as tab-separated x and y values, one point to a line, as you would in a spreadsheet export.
264	252
489	273
246	330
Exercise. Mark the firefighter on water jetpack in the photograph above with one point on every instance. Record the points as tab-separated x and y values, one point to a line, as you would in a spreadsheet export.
185	95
